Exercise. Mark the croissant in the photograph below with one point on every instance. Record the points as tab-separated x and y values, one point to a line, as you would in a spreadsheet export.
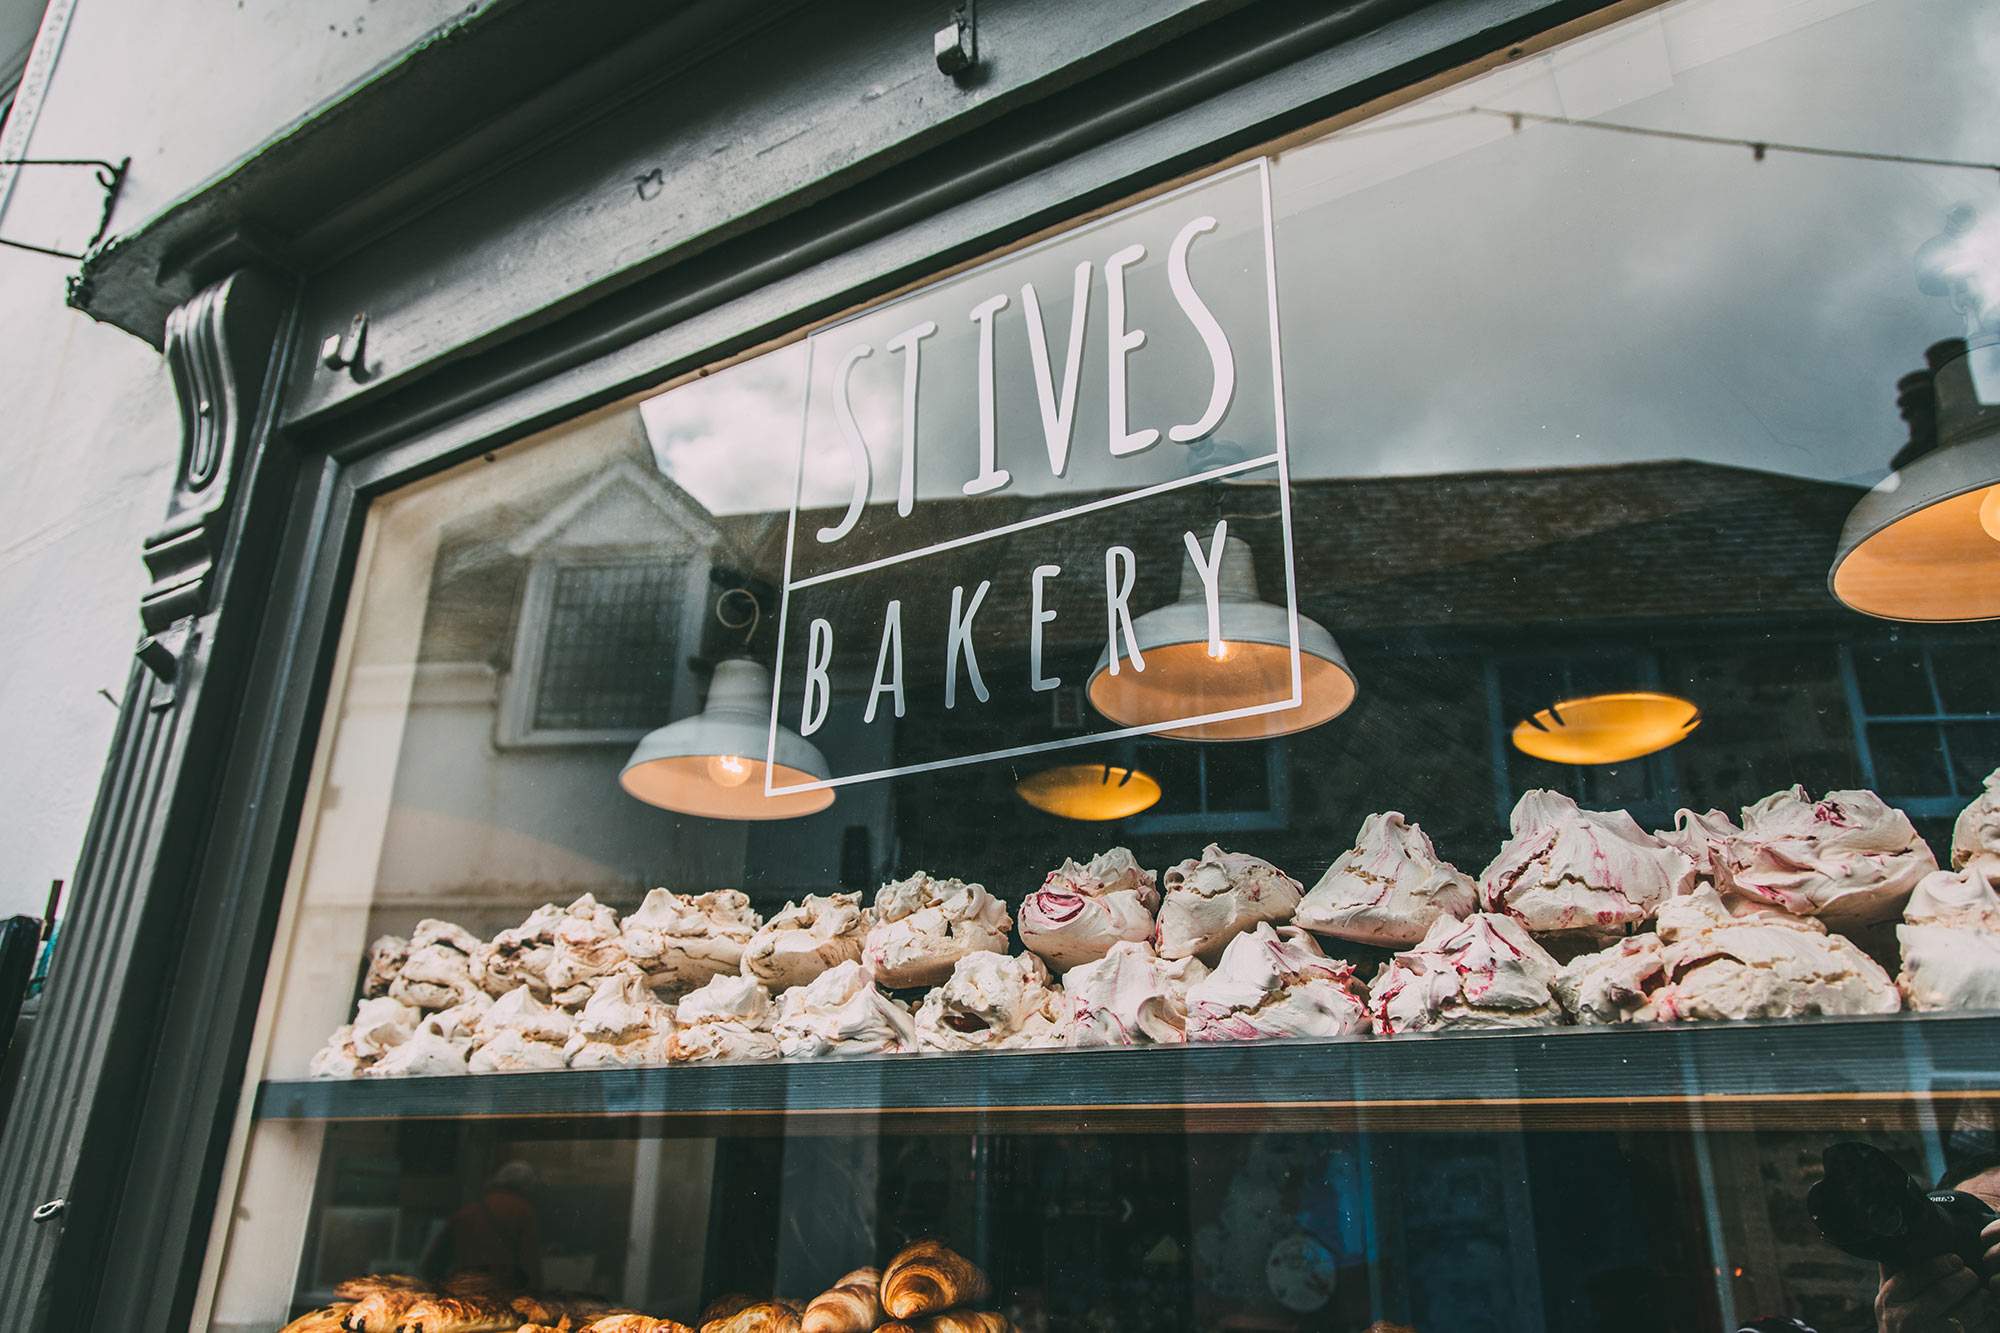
323	1320
852	1305
952	1321
631	1323
926	1277
763	1317
724	1306
357	1288
460	1314
381	1310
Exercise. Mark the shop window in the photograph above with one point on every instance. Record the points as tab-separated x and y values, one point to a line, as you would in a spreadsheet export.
1518	686
1222	787
1926	721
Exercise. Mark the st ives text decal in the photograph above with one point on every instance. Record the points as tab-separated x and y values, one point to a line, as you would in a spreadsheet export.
998	474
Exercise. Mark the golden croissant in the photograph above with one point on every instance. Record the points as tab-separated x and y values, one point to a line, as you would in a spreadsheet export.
763	1317
323	1320
952	1321
851	1305
926	1278
632	1323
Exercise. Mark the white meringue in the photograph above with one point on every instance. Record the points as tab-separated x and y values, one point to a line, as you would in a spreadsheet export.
623	1023
385	960
1211	900
1704	839
925	925
424	1055
1571	870
521	956
805	939
1616	985
1276	983
337	1059
512	1052
1082	910
728	1018
993	1001
1851	857
518	1034
680	940
1388	889
460	1025
1950	940
1736	959
380	1023
1481	972
1129	996
588	946
443	968
843	1012
1976	834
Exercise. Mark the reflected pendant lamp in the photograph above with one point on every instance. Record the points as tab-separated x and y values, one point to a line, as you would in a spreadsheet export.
1606	728
1924	545
1182	678
1089	791
712	764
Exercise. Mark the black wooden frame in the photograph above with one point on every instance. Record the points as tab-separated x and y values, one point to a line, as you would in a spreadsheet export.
135	1077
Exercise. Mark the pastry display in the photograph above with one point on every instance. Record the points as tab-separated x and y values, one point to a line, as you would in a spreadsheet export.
1209	900
1129	996
1850	857
991	1001
1567	870
760	1317
385	959
805	939
1082	910
624	1323
1704	839
521	956
1482	972
1950	940
426	1054
622	1023
1275	982
729	1018
923	926
843	1012
326	1319
380	1302
851	1305
952	1321
926	1277
1616	985
588	945
1976	834
680	940
1388	889
443	967
520	1033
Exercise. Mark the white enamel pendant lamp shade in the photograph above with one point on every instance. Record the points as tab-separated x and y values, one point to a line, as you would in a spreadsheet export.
1184	678
712	764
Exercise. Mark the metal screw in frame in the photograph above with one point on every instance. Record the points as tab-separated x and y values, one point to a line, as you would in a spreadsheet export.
956	45
53	1208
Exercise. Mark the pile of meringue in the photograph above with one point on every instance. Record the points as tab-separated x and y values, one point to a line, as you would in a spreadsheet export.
1708	920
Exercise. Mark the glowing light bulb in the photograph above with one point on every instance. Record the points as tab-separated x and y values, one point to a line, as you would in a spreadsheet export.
1220	652
728	770
1989	513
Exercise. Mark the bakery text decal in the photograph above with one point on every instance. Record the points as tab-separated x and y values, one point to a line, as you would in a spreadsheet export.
992	468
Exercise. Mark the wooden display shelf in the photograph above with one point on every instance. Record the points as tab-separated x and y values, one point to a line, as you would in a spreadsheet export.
1859	1074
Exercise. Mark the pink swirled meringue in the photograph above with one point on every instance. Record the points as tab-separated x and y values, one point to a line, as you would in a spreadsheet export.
1616	985
727	1018
1276	983
521	956
1734	959
1388	889
805	939
623	1023
1210	900
1082	910
1594	872
1976	834
1850	857
444	968
680	940
1130	996
923	926
1482	972
993	1001
1704	839
843	1012
1950	940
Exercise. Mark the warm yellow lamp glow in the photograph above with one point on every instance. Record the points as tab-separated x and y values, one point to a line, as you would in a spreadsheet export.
1606	728
699	765
1989	513
728	770
1089	791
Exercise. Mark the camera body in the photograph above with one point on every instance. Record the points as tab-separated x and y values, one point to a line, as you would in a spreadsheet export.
1870	1207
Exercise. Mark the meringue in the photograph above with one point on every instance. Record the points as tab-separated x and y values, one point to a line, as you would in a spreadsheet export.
588	945
385	960
729	1018
521	956
680	940
623	1023
1482	972
1851	858
1129	996
424	1055
520	1033
1616	985
805	939
842	1012
925	925
1276	983
442	968
1211	900
1704	840
1950	940
1082	910
1592	871
993	1001
1739	959
380	1024
1976	835
1388	889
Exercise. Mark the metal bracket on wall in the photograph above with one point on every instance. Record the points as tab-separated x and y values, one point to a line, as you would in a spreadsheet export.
109	175
348	351
956	45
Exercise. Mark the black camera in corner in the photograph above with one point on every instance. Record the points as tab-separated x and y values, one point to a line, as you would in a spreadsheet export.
1870	1207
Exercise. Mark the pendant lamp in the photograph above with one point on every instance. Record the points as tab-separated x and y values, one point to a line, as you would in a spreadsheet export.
712	764
1089	791
1924	545
1606	728
1183	678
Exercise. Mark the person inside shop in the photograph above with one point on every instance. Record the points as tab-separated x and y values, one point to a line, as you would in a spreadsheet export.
496	1235
1942	1295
